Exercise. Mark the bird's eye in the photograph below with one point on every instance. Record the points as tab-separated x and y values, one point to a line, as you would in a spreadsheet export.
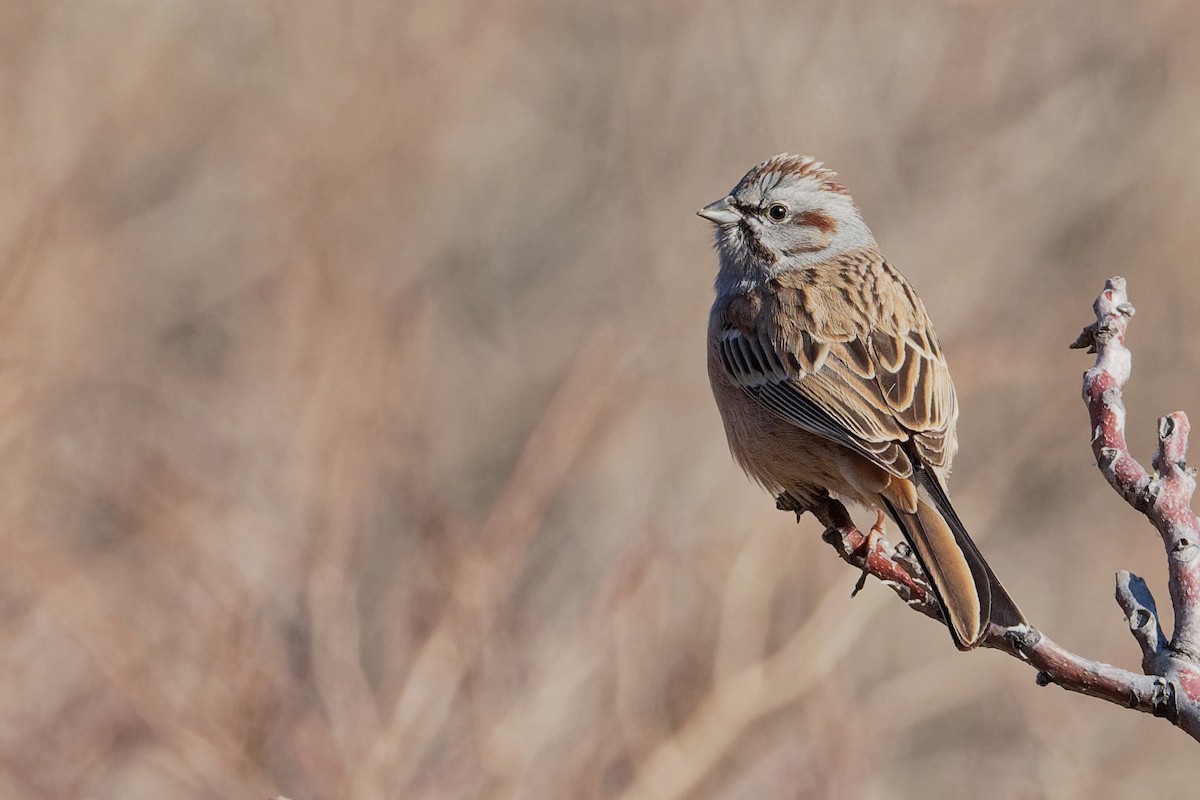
777	212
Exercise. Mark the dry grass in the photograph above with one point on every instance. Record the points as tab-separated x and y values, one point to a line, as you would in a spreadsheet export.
355	432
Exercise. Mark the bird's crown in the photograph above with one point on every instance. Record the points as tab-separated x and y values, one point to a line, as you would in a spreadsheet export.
785	165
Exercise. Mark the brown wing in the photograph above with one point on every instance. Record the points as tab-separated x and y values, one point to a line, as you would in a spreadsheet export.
855	360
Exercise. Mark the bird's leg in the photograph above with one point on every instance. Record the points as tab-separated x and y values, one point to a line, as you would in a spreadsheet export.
873	536
878	529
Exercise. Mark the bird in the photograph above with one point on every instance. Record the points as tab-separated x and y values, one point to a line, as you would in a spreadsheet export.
831	381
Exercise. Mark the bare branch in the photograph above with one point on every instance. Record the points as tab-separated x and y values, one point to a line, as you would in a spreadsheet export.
875	556
1138	604
1054	663
1170	685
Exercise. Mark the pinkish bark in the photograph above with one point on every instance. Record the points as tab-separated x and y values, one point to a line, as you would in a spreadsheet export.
1170	685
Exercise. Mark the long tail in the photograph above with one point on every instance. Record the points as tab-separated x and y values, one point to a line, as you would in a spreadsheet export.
970	593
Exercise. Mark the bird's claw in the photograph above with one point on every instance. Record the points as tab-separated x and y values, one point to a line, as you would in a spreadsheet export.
873	536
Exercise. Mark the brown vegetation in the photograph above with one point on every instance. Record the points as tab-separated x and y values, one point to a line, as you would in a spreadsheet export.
355	429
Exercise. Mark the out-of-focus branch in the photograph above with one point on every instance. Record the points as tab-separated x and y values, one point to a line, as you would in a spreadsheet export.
1170	685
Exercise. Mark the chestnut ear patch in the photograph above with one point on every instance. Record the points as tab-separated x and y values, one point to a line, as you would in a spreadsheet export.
816	219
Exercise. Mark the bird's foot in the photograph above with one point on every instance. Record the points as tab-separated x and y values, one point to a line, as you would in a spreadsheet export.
785	502
873	536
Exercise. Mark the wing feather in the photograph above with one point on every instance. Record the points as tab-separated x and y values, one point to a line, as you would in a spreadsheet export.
872	383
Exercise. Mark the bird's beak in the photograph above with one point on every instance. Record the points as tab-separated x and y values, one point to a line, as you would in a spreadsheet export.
721	212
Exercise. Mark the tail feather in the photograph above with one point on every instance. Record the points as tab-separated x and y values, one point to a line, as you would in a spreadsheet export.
970	593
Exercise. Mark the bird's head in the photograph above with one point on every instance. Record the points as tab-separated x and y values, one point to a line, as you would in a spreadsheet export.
786	213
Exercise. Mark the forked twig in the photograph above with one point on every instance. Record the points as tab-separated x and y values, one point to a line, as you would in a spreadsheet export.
1170	685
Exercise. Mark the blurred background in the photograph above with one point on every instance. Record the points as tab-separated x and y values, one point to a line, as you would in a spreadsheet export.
355	437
